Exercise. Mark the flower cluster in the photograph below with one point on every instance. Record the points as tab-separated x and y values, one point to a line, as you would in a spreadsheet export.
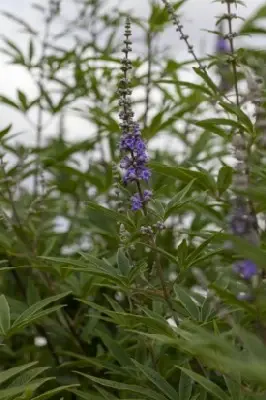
137	200
135	162
132	146
246	269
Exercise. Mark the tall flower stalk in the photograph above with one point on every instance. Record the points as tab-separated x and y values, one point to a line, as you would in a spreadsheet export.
134	162
133	148
243	221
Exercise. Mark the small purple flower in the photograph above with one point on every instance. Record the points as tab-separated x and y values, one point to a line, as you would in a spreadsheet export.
239	224
222	45
147	195
136	202
142	158
130	175
137	130
127	142
125	162
139	145
246	269
144	173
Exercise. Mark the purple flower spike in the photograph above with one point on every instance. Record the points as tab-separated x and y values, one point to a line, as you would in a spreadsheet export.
135	162
246	269
132	146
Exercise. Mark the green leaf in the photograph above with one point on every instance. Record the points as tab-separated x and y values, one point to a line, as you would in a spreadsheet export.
23	100
31	387
31	49
230	299
179	198
33	319
52	392
224	179
9	102
158	381
90	396
4	131
185	386
247	250
207	79
114	215
94	266
233	383
202	180
4	315
27	376
242	117
187	302
211	387
213	122
123	262
151	394
116	350
11	372
32	311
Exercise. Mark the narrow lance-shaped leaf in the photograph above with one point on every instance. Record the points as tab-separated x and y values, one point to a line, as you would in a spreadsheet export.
4	315
208	385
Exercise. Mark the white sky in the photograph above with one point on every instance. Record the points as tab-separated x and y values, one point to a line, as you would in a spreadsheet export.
197	16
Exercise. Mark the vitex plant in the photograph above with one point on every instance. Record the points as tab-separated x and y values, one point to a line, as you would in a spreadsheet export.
132	230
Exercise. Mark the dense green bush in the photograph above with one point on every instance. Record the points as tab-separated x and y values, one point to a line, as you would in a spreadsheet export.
116	284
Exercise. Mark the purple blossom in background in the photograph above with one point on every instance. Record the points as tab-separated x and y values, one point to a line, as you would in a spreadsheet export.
222	45
246	269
